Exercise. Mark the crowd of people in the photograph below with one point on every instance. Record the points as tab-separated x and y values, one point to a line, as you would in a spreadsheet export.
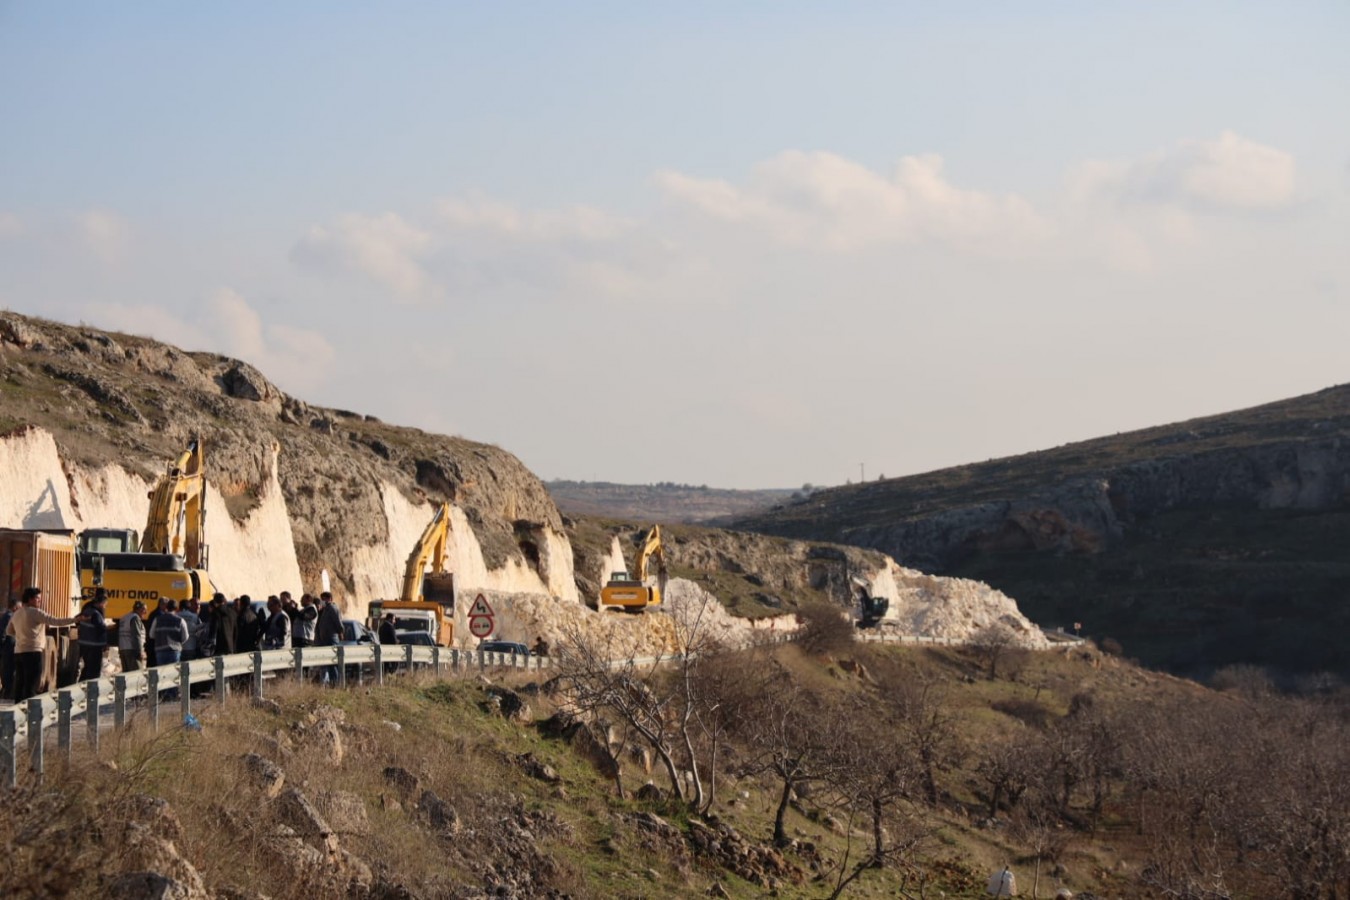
170	633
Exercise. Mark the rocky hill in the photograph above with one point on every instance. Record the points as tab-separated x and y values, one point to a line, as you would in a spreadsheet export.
89	419
1214	541
660	502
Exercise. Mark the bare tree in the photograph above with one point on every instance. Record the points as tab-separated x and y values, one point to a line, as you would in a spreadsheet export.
790	735
605	679
991	644
926	726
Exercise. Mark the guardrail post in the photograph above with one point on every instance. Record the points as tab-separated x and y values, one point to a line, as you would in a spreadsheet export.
454	660
119	702
436	660
65	703
257	673
407	656
91	711
482	661
379	663
222	689
514	665
299	663
9	730
35	736
184	690
342	666
152	697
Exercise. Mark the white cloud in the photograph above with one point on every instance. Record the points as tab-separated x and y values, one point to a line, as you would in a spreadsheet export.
297	359
10	225
384	248
486	215
106	234
1229	173
826	201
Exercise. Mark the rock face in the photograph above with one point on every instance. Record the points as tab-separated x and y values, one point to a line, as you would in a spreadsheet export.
1214	541
90	420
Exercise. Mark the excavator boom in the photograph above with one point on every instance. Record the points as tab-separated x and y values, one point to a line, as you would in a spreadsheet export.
176	522
430	548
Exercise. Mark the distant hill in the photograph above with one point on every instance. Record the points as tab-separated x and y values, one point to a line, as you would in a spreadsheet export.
1219	540
664	502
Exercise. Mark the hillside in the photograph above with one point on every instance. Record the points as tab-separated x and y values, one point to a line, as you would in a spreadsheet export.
500	787
659	502
1214	541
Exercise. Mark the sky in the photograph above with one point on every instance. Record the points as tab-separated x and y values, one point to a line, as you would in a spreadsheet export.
741	244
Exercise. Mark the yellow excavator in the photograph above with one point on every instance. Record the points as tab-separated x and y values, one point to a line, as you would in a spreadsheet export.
426	604
632	593
169	560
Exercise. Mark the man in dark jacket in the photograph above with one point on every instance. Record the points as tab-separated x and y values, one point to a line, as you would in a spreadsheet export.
7	650
246	630
93	636
328	632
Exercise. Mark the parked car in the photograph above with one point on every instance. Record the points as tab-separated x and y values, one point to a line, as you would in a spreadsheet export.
354	631
507	647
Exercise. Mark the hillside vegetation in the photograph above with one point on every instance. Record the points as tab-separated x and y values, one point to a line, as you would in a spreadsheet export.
829	769
1206	543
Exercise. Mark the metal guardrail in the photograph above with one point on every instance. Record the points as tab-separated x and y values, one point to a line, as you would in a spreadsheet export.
25	725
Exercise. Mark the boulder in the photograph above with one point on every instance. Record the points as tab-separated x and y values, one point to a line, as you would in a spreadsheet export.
265	775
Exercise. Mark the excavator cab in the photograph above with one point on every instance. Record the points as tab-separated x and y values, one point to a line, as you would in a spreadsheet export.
631	593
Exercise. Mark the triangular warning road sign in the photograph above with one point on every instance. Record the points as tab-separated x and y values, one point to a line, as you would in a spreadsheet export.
480	607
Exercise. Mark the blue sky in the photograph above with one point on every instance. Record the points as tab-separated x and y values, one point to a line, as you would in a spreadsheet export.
774	239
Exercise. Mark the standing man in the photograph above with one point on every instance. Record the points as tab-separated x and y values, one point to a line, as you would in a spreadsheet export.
246	630
328	632
277	632
7	650
93	636
227	626
303	633
28	626
131	637
189	614
170	633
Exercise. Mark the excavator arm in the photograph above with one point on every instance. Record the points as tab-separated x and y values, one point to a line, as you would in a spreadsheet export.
430	548
176	522
651	549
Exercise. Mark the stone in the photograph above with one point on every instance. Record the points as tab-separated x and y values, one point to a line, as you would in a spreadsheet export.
406	782
266	705
265	775
537	769
345	812
144	851
353	869
156	814
295	811
151	886
651	793
244	382
440	814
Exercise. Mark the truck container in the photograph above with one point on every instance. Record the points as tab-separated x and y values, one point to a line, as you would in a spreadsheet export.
46	560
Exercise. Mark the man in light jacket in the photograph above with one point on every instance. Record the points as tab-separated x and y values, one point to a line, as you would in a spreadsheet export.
131	637
29	627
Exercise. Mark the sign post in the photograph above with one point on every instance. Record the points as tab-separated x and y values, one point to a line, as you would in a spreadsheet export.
482	621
